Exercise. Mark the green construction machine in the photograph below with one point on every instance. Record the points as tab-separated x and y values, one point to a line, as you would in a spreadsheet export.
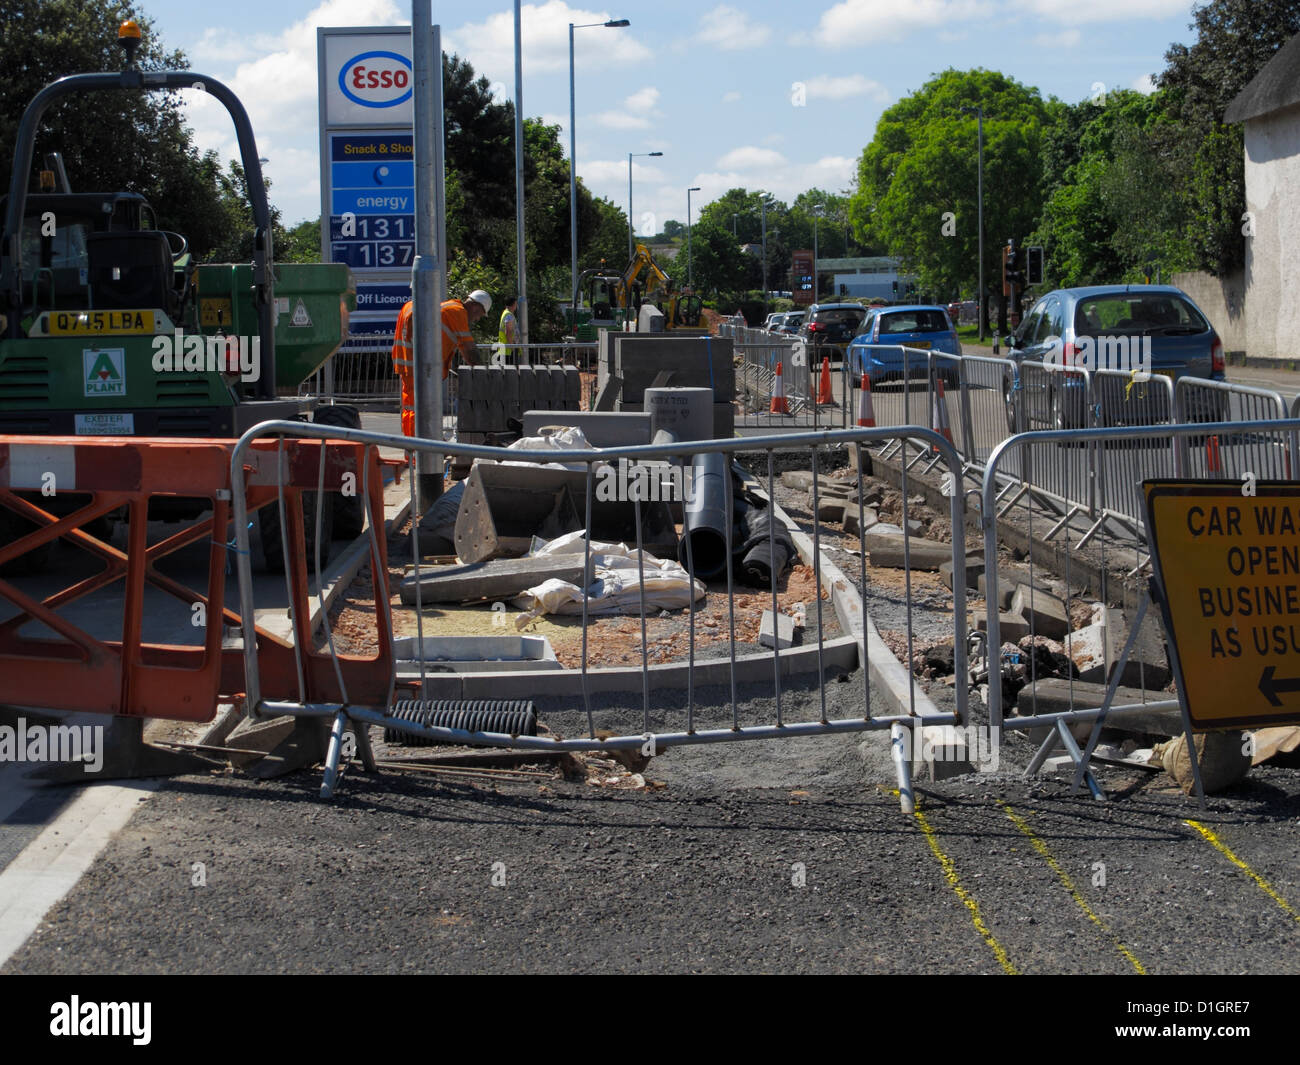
107	326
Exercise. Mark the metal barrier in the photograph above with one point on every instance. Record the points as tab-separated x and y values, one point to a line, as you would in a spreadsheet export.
168	661
1231	453
1090	683
709	530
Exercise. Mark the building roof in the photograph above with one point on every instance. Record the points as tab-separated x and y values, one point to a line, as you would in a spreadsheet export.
1273	88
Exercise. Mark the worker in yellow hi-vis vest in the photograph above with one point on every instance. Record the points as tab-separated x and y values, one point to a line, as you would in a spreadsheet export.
508	329
457	317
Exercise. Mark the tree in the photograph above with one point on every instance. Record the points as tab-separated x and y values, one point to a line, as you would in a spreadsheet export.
713	260
109	140
1234	40
917	179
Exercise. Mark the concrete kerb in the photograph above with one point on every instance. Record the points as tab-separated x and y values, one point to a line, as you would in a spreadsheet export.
838	653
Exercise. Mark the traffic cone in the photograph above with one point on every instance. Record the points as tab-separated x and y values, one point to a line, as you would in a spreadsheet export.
866	412
824	389
779	405
939	421
1212	464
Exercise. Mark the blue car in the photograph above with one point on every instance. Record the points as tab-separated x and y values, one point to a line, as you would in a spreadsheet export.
878	350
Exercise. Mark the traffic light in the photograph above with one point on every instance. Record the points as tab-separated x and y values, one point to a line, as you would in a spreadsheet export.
1014	276
1034	265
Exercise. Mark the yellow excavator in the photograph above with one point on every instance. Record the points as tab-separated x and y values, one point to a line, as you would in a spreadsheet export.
612	299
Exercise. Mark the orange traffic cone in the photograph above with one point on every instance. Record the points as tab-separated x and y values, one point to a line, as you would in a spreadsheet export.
824	389
779	405
939	421
866	412
1212	455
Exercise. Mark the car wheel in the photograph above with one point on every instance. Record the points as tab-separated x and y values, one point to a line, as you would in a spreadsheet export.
349	511
1059	418
273	546
1009	398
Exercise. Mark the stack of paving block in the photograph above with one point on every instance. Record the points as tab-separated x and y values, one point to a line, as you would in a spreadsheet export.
647	360
489	396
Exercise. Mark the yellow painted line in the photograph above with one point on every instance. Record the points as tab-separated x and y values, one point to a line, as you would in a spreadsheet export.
954	882
1263	884
1068	883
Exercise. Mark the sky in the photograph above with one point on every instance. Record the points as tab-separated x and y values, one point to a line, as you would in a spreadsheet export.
752	93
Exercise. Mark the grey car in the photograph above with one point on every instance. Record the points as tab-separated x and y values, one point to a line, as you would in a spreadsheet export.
1137	329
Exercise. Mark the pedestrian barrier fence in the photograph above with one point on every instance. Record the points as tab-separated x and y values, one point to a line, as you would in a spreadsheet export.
729	530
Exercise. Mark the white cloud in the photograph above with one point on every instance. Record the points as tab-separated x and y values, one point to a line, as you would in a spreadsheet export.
855	22
610	172
490	44
731	30
730	97
751	158
278	89
1058	39
1146	85
1071	11
639	111
826	87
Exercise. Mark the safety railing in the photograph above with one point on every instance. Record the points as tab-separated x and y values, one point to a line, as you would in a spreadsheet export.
1231	453
1072	635
730	533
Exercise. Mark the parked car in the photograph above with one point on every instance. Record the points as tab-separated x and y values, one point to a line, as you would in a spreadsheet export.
829	328
790	323
878	350
1141	330
770	321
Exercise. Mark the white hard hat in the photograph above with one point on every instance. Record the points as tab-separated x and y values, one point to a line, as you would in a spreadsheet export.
482	298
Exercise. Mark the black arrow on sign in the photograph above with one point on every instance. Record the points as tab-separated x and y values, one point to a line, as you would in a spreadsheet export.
1271	687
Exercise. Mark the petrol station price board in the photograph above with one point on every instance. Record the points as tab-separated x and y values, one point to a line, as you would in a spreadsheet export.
372	200
1227	562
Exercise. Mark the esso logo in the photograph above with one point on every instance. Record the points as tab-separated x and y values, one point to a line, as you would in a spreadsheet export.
377	79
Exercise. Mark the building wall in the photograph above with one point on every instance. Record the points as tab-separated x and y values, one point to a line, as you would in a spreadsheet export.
1223	301
1273	253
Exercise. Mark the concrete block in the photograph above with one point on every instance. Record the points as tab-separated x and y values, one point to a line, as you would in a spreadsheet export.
974	570
1095	651
869	519
776	631
601	428
1046	613
888	552
831	509
1052	695
1009	578
1012	628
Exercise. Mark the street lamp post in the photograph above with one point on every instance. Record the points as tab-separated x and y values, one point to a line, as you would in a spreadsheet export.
817	213
690	257
978	112
573	160
734	234
763	205
630	156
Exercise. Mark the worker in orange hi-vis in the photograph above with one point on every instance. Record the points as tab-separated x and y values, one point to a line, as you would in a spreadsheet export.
457	317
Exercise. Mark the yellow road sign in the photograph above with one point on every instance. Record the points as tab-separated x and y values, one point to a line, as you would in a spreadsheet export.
1227	560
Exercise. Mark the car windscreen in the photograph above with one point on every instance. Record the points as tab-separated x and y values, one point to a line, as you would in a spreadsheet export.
1138	314
913	322
846	316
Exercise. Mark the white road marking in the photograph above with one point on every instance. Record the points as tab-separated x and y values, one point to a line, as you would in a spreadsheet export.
50	866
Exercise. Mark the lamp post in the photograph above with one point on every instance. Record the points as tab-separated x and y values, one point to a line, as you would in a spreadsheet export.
818	210
690	258
978	112
573	160
734	234
630	157
763	205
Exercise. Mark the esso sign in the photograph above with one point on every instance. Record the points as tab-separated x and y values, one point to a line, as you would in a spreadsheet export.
376	79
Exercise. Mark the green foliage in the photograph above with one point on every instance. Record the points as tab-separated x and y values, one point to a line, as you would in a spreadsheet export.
109	140
917	190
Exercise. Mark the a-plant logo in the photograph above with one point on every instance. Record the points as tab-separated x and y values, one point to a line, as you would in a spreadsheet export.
377	79
104	371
